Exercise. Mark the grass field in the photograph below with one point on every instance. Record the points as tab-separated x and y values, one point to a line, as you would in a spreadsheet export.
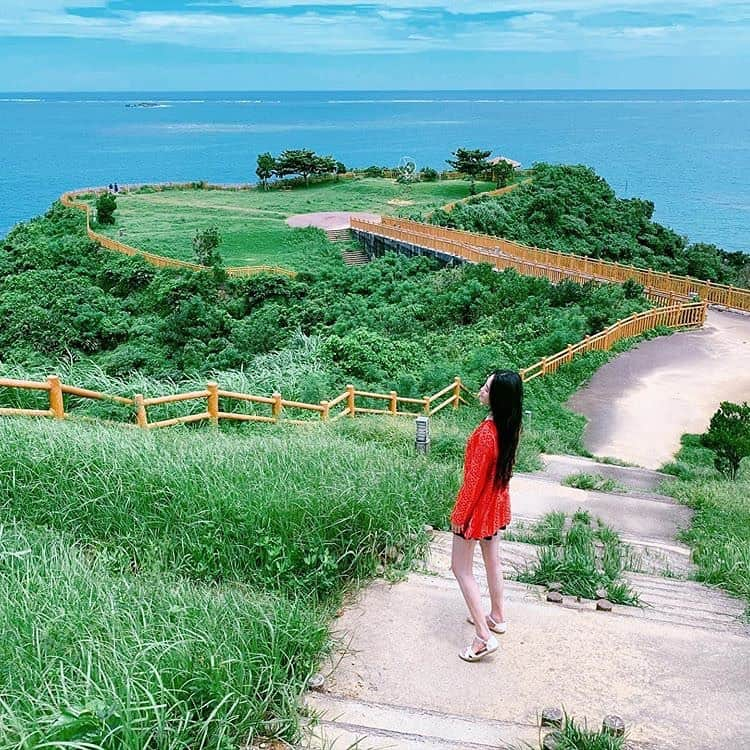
252	222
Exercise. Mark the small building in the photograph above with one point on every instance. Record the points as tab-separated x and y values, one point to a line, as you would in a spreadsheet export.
497	159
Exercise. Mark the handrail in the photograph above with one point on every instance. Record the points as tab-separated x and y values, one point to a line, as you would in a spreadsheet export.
682	315
69	200
551	263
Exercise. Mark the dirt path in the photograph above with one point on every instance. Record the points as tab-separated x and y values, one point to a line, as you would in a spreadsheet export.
641	403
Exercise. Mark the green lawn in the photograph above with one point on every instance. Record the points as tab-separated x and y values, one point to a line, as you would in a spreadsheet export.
252	222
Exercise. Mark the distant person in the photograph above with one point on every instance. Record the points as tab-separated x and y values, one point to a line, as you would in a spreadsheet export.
110	187
115	187
482	507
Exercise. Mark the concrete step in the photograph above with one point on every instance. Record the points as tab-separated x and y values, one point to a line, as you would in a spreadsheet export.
355	258
558	468
395	672
631	515
339	235
684	603
380	725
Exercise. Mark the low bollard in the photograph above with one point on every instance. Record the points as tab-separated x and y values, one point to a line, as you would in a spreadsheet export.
422	440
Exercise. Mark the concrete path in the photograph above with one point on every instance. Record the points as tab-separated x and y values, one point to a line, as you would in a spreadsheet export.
330	219
677	670
641	403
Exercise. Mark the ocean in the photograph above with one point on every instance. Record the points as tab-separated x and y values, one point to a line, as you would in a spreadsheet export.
687	151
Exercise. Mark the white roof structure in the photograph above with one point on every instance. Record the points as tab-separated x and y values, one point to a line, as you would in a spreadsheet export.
496	159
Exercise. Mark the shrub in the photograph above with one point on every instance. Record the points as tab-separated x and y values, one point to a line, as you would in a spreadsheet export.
728	436
428	174
106	204
205	246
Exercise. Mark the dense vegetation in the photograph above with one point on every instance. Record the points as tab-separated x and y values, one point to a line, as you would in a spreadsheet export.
572	209
396	323
720	531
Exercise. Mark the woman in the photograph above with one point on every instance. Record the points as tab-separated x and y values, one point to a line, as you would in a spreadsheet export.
483	506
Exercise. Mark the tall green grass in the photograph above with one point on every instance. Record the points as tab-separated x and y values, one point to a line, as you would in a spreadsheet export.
720	531
166	591
92	659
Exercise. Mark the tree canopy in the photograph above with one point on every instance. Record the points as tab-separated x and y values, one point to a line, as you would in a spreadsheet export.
471	162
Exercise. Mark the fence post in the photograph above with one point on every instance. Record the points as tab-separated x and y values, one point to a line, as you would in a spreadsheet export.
326	411
276	406
456	391
392	404
350	399
56	404
427	406
570	353
140	411
544	365
213	402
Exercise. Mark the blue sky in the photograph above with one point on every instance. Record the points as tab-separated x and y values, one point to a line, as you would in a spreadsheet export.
141	45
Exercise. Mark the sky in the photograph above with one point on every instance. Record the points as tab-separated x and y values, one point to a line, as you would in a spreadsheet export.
247	45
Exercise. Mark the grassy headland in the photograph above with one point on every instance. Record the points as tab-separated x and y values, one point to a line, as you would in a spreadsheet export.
252	222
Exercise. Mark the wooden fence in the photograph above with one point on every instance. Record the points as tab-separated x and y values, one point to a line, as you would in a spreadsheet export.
552	264
494	193
69	200
689	315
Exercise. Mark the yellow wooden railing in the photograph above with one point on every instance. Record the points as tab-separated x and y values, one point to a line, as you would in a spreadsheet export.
69	200
552	264
689	315
343	405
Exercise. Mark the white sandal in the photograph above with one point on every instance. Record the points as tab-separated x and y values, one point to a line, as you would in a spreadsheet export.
495	627
490	646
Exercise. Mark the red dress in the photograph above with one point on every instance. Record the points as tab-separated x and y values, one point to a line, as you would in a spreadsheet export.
480	508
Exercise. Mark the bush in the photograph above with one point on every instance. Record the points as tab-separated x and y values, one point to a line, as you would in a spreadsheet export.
106	204
728	436
428	174
205	247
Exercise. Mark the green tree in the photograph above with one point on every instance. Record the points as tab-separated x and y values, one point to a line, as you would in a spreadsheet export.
503	173
302	161
106	204
470	162
265	168
205	246
728	436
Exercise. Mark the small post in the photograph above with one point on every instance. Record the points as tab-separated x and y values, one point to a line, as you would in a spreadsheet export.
276	406
140	411
392	403
56	404
326	411
422	439
427	407
456	392
213	403
350	399
569	355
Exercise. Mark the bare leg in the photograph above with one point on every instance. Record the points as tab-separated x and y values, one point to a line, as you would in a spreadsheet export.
495	583
461	564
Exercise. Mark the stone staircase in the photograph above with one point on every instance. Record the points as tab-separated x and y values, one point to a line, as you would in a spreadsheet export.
355	257
677	669
339	235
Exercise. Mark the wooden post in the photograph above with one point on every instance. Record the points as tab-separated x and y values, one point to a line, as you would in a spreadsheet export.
56	404
544	365
326	411
392	403
427	406
570	353
456	392
140	411
276	406
213	403
350	399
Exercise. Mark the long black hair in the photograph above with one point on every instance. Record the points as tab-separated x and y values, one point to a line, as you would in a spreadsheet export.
506	405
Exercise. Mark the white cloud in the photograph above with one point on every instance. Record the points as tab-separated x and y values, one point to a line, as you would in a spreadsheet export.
389	27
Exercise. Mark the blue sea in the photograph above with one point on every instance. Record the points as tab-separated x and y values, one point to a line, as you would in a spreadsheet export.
687	151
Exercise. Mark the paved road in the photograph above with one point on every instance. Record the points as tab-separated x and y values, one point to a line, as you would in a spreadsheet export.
641	403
